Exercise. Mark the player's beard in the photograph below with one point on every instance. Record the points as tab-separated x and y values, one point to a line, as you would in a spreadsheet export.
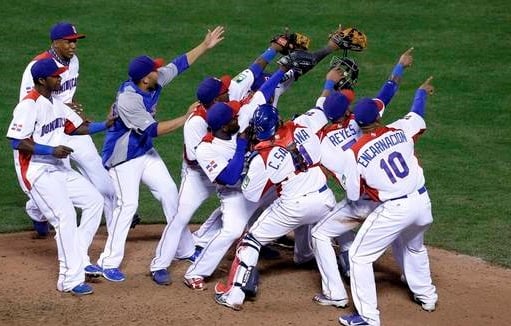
234	128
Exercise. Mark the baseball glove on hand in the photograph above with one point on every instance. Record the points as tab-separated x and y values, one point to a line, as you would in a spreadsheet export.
349	39
291	42
300	61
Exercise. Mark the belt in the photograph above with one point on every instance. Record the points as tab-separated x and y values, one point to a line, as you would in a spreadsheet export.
320	190
420	191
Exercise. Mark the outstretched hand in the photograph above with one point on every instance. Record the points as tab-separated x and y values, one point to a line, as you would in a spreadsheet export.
430	89
406	59
214	37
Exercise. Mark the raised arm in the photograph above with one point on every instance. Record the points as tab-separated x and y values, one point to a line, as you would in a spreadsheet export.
211	39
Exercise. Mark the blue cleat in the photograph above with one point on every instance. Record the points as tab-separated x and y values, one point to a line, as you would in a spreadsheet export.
113	274
352	320
161	277
196	254
93	271
82	289
42	228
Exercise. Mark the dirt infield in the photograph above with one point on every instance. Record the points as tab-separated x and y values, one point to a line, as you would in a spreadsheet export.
471	292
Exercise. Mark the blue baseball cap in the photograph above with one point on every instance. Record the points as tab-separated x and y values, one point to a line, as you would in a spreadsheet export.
335	106
142	66
211	87
218	115
366	112
46	68
64	31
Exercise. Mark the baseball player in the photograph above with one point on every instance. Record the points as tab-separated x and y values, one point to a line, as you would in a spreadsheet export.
212	90
383	165
128	151
37	137
221	156
195	185
64	39
288	157
336	138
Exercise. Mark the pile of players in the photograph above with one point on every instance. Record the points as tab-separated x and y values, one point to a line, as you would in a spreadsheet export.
268	173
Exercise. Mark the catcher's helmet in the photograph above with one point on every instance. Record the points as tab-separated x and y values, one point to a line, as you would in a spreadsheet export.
350	67
265	121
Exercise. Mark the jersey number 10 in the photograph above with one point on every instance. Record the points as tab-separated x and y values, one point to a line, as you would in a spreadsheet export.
395	166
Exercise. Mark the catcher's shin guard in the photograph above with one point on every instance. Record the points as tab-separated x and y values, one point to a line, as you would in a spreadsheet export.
243	272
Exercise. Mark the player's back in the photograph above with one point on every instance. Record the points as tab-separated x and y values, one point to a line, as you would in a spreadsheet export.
387	163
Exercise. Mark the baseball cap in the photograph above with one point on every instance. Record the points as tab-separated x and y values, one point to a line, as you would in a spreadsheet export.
64	31
218	115
212	87
143	65
46	68
335	106
366	112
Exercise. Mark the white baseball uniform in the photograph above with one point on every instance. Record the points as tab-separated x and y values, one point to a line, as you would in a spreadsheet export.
383	165
304	197
213	155
85	155
53	186
336	139
195	185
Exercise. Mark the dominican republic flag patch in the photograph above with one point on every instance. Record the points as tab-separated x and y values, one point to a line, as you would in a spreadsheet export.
211	166
16	126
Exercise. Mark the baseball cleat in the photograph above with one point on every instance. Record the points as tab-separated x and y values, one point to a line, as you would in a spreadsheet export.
41	228
161	277
352	320
195	283
113	274
429	307
325	301
196	254
93	271
221	299
221	288
82	289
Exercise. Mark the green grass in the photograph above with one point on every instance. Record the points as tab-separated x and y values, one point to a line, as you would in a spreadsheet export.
465	45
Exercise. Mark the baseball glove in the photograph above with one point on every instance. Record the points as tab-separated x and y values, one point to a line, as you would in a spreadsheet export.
349	67
349	39
291	42
300	61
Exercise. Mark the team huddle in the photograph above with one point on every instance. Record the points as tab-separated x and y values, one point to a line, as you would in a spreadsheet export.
269	173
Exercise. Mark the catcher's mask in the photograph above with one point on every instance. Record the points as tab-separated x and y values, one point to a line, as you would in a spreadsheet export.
265	121
350	67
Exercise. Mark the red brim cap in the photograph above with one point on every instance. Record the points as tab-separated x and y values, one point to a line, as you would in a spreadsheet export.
158	63
74	37
59	71
235	106
226	81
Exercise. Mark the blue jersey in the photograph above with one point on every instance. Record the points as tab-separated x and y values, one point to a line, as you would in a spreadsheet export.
132	133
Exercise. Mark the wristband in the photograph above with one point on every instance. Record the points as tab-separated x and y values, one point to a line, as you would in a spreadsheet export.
269	54
95	127
43	149
329	85
398	70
